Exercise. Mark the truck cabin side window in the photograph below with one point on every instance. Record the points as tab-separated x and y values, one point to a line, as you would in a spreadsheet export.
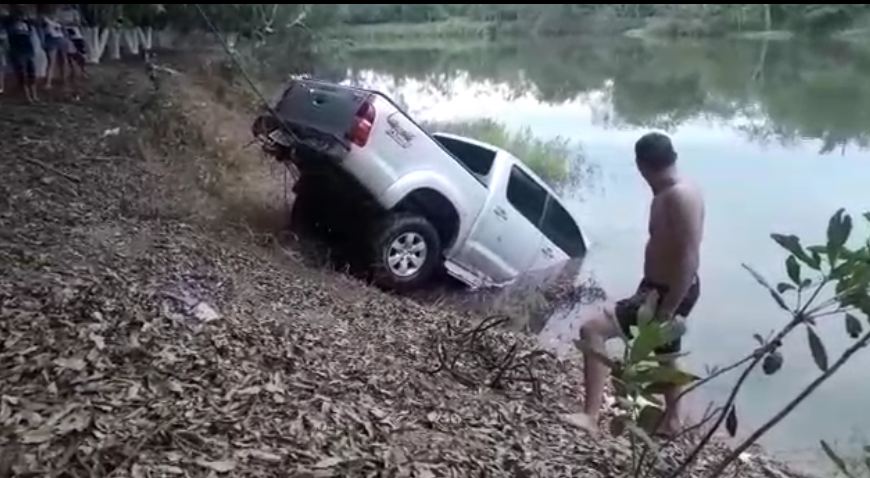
562	230
526	196
478	160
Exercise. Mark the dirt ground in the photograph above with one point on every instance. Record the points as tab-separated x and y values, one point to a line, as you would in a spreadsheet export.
156	319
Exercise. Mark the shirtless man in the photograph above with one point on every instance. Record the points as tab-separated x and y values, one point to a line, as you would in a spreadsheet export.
670	268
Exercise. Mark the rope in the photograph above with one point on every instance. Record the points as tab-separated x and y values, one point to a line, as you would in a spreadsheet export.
229	51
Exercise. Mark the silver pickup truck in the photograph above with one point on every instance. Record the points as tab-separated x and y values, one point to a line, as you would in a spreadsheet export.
442	200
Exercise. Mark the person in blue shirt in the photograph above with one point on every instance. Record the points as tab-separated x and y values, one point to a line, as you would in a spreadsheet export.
54	43
22	55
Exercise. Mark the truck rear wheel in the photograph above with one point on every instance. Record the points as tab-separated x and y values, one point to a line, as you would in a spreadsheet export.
406	250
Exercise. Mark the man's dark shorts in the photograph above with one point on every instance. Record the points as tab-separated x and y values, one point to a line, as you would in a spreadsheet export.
626	309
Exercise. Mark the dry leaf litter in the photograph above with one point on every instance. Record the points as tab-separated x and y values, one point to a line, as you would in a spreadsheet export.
145	333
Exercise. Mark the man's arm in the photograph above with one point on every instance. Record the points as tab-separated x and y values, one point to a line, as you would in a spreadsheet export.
683	238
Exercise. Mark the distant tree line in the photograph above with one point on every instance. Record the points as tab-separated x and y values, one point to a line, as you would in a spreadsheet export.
571	18
256	19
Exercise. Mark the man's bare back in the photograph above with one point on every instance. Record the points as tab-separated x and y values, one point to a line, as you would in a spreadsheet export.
676	228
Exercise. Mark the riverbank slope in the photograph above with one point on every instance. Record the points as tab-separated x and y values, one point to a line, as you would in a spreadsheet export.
156	319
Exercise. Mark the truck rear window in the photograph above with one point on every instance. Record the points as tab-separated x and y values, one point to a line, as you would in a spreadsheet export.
478	160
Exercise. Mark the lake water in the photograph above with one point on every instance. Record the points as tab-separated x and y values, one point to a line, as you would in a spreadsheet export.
775	133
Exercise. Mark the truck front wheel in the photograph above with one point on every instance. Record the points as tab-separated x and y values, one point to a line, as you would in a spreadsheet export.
406	251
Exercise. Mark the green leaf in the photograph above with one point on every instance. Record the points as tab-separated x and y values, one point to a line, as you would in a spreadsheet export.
806	283
840	464
779	301
653	397
655	388
772	363
758	277
864	305
759	339
782	287
731	421
794	270
839	228
662	358
853	326
841	270
649	418
792	244
816	261
650	336
665	374
867	216
817	348
773	293
818	249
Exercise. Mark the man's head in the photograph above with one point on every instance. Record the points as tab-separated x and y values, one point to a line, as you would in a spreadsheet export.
655	156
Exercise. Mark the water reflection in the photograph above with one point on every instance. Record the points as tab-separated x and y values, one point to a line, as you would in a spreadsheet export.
771	91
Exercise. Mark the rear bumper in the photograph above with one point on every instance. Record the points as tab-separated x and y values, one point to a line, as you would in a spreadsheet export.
321	154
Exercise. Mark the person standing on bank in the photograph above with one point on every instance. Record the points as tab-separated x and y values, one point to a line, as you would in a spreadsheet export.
71	20
4	48
22	54
671	260
54	43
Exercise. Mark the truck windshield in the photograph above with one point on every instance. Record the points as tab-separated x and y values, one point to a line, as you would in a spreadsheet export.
478	160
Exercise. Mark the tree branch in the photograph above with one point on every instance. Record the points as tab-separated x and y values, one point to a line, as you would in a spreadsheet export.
791	405
709	435
816	292
797	320
760	351
69	177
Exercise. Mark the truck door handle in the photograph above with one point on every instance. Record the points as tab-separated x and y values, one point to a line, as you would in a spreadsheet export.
500	212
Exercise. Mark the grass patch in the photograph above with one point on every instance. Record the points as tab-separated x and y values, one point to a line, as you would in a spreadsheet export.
558	161
452	28
446	45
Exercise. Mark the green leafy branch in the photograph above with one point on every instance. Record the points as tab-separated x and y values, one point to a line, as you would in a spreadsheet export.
811	271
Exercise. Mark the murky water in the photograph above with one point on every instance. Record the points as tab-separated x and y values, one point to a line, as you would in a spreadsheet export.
776	134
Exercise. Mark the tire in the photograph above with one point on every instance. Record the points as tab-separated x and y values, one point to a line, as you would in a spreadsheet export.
405	251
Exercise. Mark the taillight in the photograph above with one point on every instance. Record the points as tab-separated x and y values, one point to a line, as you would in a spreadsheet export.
364	121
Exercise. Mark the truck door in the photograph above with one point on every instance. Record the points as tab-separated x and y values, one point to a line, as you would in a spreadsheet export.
562	239
505	239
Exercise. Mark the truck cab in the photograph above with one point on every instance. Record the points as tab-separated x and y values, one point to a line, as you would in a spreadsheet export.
522	225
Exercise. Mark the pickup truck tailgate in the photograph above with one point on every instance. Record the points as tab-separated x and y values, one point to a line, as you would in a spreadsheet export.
321	107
